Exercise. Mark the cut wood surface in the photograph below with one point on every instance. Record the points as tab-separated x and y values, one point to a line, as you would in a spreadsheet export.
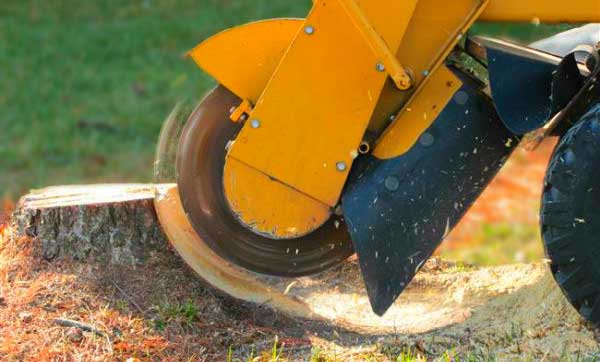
112	223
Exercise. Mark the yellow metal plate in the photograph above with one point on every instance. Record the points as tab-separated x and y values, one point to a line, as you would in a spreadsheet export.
430	37
433	32
543	10
423	109
288	214
244	58
313	114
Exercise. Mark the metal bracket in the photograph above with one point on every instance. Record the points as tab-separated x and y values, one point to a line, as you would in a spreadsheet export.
388	62
581	101
307	125
241	112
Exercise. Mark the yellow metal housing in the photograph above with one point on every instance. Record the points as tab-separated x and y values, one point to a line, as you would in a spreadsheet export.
424	108
313	87
244	58
289	213
389	62
547	11
312	116
428	40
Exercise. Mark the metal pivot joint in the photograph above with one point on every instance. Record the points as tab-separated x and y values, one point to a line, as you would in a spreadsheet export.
241	112
388	61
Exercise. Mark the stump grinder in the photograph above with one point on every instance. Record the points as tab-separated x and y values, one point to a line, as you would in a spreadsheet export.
369	128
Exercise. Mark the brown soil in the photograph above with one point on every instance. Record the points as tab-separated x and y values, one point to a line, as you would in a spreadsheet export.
160	311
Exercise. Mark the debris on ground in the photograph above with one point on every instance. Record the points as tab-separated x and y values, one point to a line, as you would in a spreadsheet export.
159	311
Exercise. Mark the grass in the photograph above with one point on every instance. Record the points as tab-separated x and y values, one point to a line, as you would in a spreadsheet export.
410	356
86	84
167	311
500	243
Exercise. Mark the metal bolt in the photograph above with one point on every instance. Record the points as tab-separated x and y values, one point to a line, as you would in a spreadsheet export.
380	67
425	73
341	166
309	30
461	97
392	183
255	123
405	83
427	139
364	147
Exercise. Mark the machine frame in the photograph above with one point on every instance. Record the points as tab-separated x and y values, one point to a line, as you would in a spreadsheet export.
312	100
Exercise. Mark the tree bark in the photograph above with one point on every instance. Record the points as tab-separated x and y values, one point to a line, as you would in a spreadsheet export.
116	224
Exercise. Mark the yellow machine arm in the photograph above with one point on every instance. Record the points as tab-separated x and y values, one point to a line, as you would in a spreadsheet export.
312	88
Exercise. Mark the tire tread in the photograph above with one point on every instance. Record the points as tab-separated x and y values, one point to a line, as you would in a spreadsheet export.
563	221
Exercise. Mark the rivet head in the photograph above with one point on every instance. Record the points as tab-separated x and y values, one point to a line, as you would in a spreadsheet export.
341	166
392	183
427	139
461	98
425	73
255	123
309	30
380	67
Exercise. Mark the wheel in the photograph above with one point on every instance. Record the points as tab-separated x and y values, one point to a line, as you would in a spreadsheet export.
570	215
200	170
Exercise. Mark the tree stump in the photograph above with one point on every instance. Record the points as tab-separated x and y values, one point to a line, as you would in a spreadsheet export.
115	224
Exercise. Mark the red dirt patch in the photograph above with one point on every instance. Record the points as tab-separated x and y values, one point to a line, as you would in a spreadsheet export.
512	197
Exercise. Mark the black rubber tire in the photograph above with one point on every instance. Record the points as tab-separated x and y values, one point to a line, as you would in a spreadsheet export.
570	215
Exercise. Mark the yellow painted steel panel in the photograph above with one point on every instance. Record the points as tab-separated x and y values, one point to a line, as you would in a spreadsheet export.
423	109
389	18
543	10
244	58
434	31
430	37
268	206
385	41
306	127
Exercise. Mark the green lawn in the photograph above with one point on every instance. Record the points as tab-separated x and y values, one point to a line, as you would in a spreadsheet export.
85	85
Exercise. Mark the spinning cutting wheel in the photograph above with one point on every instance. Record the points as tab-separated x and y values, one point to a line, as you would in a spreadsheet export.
200	168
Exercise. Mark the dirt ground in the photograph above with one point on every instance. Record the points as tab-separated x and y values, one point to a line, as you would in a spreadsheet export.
161	312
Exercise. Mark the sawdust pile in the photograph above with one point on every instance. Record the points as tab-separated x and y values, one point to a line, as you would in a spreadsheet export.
161	312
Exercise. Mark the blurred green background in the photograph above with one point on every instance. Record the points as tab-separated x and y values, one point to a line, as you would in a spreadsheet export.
85	85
